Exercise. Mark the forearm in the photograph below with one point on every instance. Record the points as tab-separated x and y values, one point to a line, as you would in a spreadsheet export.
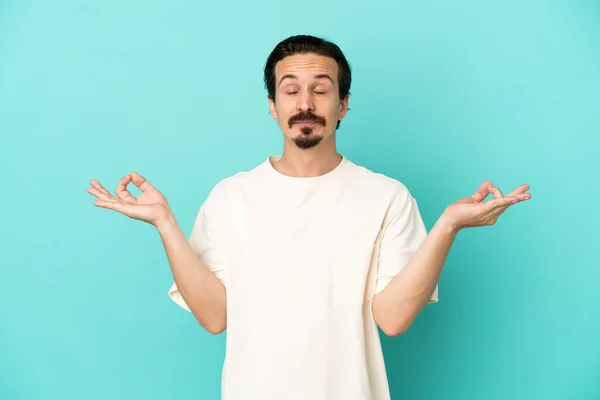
409	291
202	291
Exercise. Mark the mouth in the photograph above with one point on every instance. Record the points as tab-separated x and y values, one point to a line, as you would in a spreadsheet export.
306	123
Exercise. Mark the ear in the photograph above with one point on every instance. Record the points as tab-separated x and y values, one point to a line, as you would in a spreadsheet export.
343	107
273	109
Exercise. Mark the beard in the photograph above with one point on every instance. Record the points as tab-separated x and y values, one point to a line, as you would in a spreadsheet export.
306	139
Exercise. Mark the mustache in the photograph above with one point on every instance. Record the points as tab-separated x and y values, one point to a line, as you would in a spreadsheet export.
306	116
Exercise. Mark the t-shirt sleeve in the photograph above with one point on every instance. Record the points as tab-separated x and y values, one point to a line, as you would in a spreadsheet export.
404	231
204	240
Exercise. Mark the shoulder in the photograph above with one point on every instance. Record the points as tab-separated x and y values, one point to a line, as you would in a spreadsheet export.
380	184
240	179
232	186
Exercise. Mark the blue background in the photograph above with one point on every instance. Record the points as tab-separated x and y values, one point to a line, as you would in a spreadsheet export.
445	96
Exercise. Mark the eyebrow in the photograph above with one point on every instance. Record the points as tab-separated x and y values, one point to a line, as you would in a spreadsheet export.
320	76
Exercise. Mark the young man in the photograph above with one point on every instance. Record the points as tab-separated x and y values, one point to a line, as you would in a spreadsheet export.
304	256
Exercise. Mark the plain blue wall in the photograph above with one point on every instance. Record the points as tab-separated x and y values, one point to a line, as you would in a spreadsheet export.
445	96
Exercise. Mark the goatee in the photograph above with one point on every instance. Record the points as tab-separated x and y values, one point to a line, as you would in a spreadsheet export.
306	140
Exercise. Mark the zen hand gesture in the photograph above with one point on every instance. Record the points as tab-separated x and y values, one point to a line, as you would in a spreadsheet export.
473	212
150	206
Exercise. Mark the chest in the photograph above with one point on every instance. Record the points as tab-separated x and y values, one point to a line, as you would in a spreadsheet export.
302	252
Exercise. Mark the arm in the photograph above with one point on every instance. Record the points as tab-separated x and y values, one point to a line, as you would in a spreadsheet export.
395	308
195	263
200	288
397	305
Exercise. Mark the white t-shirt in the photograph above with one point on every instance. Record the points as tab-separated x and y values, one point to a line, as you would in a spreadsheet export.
301	259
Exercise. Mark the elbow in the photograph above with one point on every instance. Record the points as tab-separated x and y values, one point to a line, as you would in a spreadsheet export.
395	331
214	326
215	329
392	319
392	323
396	327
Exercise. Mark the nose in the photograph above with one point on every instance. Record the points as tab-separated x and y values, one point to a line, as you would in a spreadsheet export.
306	102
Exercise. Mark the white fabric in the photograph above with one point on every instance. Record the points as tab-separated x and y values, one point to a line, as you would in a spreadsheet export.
301	259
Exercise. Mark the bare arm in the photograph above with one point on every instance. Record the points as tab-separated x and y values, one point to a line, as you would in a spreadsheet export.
200	288
395	308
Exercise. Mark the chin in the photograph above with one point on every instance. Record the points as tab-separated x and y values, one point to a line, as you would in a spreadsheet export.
307	142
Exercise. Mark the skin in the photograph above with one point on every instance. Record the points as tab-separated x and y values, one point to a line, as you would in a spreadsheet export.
307	84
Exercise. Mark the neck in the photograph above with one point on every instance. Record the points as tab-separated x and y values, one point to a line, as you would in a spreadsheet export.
308	163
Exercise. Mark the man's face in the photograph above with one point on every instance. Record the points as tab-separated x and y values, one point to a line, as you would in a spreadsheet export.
307	103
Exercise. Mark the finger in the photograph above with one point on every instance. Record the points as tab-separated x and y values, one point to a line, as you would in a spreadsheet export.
122	191
482	192
100	194
501	205
110	204
101	188
520	190
522	196
503	202
139	181
496	192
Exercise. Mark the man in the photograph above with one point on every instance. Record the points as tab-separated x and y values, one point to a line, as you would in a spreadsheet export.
304	256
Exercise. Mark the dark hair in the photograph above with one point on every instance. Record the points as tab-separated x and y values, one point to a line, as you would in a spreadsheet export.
302	44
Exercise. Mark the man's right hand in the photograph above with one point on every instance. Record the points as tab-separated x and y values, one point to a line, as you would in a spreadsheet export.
150	206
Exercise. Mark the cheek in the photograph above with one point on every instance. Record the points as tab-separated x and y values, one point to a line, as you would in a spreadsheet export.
284	110
332	109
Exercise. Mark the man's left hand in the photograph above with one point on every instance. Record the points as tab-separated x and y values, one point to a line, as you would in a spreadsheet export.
472	211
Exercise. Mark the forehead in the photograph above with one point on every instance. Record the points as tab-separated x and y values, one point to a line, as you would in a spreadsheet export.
306	66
